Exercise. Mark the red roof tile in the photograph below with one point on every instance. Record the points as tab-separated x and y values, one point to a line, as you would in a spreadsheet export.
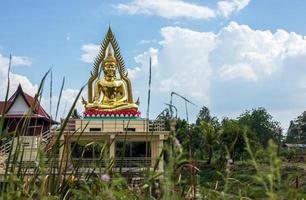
2	106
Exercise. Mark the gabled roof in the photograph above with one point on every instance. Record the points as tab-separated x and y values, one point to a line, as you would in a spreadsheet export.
38	111
2	105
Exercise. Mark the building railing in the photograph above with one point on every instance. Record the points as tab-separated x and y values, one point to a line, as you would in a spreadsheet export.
121	126
88	162
31	163
126	162
157	125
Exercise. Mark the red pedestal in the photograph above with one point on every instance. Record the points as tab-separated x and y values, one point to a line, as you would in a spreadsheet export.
116	113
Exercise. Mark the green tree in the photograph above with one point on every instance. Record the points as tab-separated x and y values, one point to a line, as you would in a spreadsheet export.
292	133
198	139
297	130
204	115
232	139
210	139
191	138
262	124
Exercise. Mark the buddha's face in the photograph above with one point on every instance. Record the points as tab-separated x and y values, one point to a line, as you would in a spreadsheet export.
109	69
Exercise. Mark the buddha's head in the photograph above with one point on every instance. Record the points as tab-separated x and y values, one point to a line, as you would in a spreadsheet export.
109	66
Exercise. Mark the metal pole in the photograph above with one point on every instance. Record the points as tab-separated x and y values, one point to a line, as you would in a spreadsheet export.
149	90
186	112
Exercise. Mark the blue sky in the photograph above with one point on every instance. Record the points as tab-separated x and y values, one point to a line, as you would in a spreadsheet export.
228	55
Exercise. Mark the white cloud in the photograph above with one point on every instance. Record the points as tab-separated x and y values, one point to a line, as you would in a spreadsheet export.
172	9
16	61
143	59
235	69
133	73
242	52
30	88
181	64
90	52
227	7
242	71
67	99
15	79
167	8
184	63
27	85
21	61
147	41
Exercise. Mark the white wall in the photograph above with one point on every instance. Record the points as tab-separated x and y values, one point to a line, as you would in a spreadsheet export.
19	106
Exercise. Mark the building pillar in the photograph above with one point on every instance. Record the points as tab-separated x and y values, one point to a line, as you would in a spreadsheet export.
154	155
159	151
61	151
112	146
69	156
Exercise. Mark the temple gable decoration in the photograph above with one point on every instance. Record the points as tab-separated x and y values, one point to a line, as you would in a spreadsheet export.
110	96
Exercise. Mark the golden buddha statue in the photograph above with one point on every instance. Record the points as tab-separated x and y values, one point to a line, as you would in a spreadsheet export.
110	93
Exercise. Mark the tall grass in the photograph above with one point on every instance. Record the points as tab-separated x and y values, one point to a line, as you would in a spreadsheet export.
54	178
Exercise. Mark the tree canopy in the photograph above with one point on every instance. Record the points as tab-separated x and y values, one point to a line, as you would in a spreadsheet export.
297	130
261	123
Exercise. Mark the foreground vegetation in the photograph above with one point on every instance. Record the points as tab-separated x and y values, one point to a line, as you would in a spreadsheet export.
239	158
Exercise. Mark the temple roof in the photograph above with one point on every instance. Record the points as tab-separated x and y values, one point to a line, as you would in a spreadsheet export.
38	111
